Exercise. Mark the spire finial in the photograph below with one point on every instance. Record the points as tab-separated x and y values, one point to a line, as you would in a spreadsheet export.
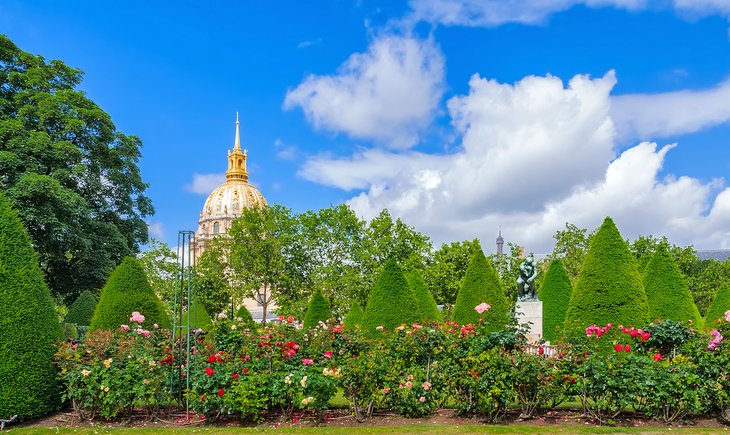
237	143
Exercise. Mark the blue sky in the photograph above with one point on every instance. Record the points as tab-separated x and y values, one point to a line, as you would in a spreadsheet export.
458	116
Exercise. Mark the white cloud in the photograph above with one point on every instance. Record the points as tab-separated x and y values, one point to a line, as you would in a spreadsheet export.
645	116
491	13
203	184
535	155
156	230
285	151
388	94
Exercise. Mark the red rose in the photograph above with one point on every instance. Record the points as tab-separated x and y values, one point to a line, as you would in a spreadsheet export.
209	371
540	350
627	348
658	357
202	398
634	333
235	376
290	319
281	317
211	359
245	370
618	347
221	392
645	335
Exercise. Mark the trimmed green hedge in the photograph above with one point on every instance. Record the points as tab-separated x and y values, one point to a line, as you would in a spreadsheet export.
354	316
391	302
609	287
481	284
29	326
246	318
720	304
82	310
200	318
554	293
426	303
318	311
667	293
126	291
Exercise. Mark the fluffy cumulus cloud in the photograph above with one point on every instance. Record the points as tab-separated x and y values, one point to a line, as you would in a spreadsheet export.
203	184
535	154
387	94
490	13
664	114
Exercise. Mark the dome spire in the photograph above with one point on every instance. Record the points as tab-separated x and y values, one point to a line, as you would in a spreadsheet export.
237	159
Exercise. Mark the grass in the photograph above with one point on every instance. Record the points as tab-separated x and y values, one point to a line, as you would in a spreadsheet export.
415	429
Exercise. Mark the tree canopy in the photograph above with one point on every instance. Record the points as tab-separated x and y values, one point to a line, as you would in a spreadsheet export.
73	177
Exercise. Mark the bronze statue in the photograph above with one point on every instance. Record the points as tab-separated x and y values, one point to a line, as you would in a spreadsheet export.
526	280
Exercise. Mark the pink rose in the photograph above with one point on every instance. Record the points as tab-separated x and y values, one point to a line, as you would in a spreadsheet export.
124	328
421	399
727	315
409	384
386	390
136	317
307	361
328	354
482	307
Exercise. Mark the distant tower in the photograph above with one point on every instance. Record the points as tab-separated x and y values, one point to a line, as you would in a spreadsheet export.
500	244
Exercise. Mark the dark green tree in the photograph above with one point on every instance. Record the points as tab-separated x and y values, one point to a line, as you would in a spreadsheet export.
446	270
29	326
318	311
720	304
73	176
426	303
609	287
571	246
82	310
481	285
391	302
666	290
354	316
128	290
555	294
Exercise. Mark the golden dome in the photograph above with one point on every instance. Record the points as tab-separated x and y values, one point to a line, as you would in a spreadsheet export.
228	200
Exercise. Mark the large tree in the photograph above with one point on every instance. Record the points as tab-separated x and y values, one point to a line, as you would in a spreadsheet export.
72	176
448	266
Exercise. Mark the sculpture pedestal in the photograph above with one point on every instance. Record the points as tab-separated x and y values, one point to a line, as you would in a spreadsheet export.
530	312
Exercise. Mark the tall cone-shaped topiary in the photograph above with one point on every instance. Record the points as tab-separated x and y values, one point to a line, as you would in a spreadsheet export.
354	316
720	304
667	293
391	301
198	317
426	303
29	326
608	288
318	311
244	315
555	294
126	291
481	284
82	310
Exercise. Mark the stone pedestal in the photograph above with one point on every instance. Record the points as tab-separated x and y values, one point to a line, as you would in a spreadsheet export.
531	312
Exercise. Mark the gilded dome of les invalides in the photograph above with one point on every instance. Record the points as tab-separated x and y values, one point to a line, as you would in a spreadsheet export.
229	199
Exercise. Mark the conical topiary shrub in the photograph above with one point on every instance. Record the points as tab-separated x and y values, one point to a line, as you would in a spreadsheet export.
198	317
391	301
126	291
426	303
481	285
667	293
318	311
354	316
29	326
244	315
720	304
82	310
608	288
555	294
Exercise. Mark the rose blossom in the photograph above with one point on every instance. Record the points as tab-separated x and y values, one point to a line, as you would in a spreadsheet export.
727	315
124	328
209	371
421	399
482	307
328	354
386	390
409	384
618	347
136	317
307	361
658	357
221	392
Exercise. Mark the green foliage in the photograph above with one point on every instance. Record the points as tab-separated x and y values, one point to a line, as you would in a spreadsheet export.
554	293
126	291
354	316
481	284
28	326
214	277
74	178
705	278
426	303
161	267
666	291
82	310
571	245
319	311
199	317
445	272
70	331
609	288
719	306
391	302
244	316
